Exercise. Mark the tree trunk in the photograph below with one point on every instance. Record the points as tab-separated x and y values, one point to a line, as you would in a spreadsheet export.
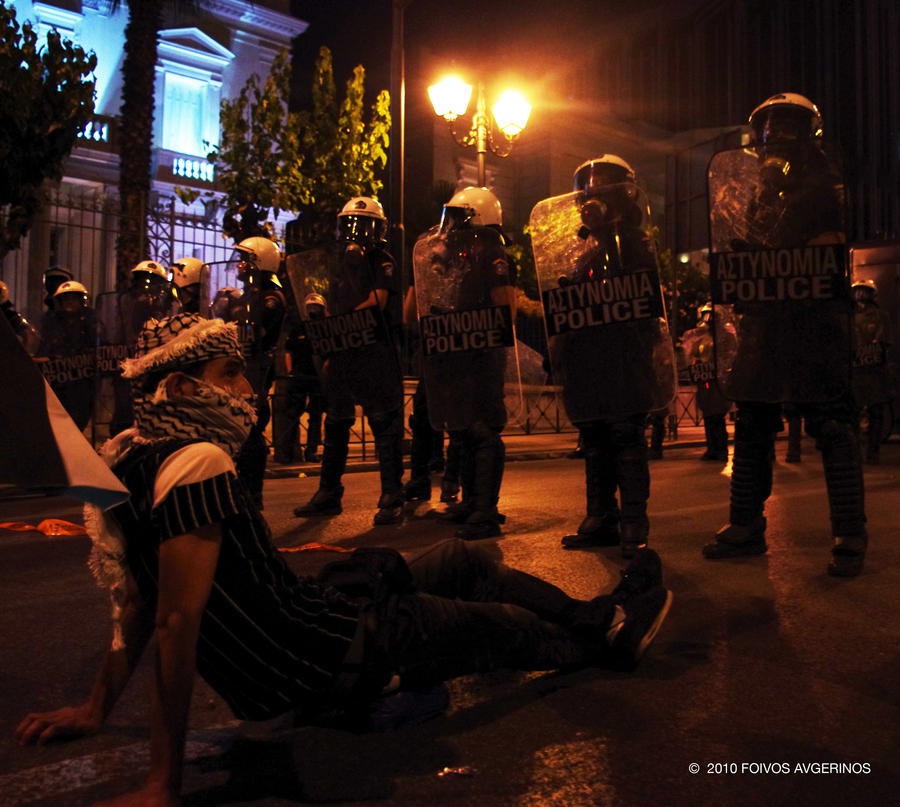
136	135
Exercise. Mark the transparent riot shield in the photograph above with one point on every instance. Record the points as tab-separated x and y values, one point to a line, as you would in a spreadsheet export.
609	341
871	374
467	322
353	347
778	275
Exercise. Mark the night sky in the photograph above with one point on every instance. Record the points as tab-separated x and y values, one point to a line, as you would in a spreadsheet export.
500	36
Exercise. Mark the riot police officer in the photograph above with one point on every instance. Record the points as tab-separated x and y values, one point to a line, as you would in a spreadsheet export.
466	307
711	401
871	378
226	304
610	347
53	277
792	346
190	278
148	296
260	317
359	360
301	391
69	336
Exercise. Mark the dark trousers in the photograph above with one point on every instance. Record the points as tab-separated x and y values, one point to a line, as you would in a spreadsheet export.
294	396
472	613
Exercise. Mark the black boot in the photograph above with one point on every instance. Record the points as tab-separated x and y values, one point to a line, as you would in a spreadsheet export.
633	476
601	525
751	484
327	500
388	432
844	480
720	438
489	454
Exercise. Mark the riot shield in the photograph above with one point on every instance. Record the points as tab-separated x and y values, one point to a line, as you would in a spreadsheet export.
778	273
871	375
353	348
67	358
466	319
609	341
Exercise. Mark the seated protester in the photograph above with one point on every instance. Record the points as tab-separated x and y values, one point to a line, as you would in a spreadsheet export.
191	546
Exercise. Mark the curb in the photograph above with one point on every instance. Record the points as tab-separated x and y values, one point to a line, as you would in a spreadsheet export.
310	469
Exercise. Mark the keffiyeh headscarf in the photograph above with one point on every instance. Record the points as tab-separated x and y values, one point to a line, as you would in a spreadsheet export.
211	413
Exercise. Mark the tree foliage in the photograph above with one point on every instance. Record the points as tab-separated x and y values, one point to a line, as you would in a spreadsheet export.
691	283
309	162
47	100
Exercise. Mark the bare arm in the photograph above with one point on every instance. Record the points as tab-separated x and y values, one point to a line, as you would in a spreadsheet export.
111	679
504	295
377	297
187	564
410	310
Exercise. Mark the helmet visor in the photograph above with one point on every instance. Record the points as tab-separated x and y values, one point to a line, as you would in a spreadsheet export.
455	218
782	124
360	229
592	178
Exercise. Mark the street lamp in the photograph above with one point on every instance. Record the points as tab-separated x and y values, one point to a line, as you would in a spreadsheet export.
450	99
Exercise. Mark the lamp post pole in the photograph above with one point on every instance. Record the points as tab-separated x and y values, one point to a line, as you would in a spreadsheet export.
481	134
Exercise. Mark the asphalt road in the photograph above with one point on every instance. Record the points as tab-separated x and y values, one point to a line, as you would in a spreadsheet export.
780	683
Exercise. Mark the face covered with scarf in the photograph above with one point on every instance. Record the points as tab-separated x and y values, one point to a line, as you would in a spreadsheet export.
188	383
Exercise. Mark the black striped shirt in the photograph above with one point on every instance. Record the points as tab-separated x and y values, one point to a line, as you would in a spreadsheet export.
269	641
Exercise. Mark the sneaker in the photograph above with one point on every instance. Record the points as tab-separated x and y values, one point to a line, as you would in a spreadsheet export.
644	616
325	502
642	574
418	490
594	531
738	540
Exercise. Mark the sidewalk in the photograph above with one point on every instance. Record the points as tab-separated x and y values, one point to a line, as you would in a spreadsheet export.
519	446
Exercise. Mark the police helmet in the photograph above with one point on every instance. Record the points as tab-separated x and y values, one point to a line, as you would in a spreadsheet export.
362	221
188	272
148	273
865	291
472	206
315	299
74	288
260	253
784	118
54	276
600	172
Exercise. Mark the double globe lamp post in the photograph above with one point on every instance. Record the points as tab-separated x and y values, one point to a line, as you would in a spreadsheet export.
497	133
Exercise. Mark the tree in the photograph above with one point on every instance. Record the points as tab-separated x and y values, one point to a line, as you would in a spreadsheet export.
46	102
253	144
684	282
309	162
136	130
